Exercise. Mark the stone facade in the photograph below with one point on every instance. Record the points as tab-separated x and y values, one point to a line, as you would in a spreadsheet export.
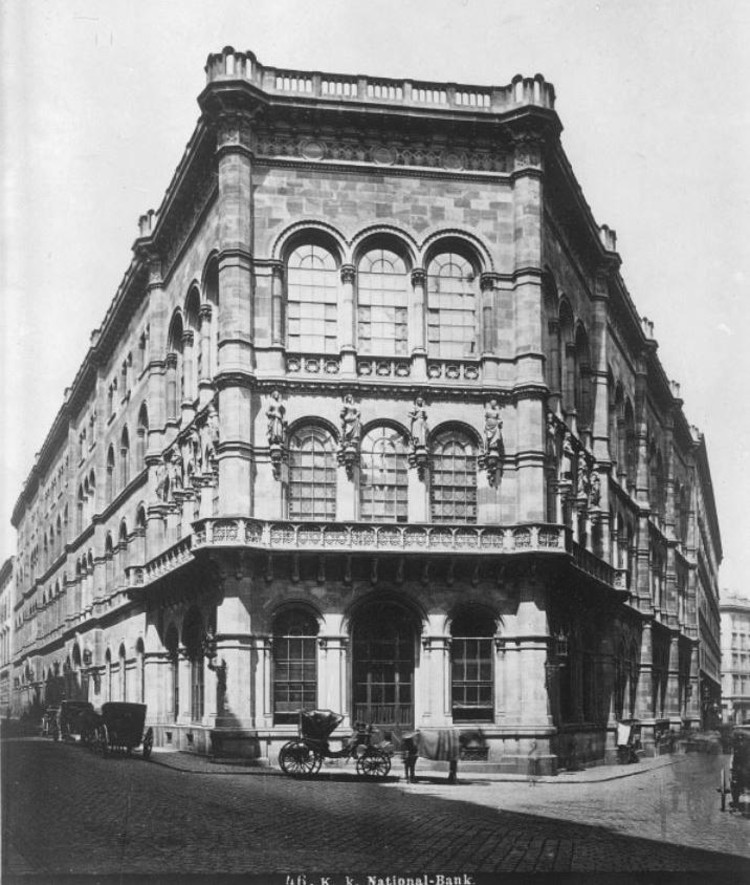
735	659
7	601
371	424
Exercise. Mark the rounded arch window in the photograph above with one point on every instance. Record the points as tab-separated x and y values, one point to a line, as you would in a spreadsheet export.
472	673
383	475
295	665
312	300
451	306
382	304
453	478
312	474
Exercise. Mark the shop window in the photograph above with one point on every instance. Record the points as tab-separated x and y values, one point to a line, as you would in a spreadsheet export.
472	684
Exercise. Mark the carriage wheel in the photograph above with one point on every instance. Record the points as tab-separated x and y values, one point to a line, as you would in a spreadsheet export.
299	759
148	743
102	740
374	763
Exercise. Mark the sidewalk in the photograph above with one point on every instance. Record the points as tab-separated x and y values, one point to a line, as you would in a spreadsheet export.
194	764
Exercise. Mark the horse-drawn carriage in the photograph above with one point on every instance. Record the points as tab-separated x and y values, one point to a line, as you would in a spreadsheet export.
303	756
119	729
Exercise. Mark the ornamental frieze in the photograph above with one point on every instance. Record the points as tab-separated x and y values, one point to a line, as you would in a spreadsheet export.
452	159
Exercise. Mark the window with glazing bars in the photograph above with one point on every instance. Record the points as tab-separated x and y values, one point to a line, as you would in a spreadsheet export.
382	305
451	307
312	310
383	477
472	682
295	668
453	479
312	474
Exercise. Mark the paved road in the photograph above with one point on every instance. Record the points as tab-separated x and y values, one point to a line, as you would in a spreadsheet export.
67	811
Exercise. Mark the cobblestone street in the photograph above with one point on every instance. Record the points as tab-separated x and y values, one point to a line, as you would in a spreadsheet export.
67	811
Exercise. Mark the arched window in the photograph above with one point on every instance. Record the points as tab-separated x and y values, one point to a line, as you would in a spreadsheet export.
122	547
382	304
472	684
140	655
141	442
194	633
295	665
583	380
124	458
383	476
191	346
451	307
312	474
123	674
312	296
567	357
453	478
211	293
108	673
171	643
174	366
110	486
631	451
79	510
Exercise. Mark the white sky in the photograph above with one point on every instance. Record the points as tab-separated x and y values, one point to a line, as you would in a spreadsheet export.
98	102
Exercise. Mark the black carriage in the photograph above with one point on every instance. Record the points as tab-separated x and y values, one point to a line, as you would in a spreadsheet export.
304	756
119	729
737	784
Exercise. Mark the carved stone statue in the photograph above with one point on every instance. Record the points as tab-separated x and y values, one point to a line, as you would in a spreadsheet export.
418	417
276	420
351	425
493	427
162	482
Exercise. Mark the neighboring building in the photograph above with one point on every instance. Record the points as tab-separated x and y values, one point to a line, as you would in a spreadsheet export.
372	424
735	659
6	636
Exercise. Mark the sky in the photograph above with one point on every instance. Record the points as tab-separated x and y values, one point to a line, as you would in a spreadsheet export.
99	99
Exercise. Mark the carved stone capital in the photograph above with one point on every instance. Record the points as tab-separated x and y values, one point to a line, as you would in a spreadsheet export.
348	273
418	277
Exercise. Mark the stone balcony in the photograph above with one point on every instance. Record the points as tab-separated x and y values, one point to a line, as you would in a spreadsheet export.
294	537
231	65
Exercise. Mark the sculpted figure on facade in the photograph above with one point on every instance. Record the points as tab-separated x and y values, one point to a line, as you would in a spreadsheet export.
493	428
351	424
276	420
210	438
418	419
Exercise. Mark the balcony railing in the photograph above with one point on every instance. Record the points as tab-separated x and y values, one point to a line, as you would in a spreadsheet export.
362	537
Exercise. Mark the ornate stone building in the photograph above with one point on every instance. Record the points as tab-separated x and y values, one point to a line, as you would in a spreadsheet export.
735	659
371	424
7	585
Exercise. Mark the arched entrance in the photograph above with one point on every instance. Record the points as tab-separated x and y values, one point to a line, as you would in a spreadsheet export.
383	654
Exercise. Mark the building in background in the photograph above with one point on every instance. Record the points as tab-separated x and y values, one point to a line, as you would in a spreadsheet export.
7	601
372	424
735	659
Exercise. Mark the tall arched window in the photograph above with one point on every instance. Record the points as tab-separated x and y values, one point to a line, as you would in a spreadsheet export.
174	366
583	392
631	451
123	674
312	474
453	478
110	483
140	656
141	441
472	684
312	300
382	304
191	346
451	307
124	458
211	293
383	476
194	634
171	643
295	664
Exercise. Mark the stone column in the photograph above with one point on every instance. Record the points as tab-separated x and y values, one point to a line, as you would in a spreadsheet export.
332	673
417	319
433	680
187	406
527	294
235	375
346	323
172	386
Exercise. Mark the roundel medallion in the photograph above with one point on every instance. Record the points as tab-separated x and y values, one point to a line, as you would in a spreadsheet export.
312	150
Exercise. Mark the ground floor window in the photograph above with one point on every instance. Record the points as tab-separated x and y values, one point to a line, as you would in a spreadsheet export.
383	644
295	664
472	684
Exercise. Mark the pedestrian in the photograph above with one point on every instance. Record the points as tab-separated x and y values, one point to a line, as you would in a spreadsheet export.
534	764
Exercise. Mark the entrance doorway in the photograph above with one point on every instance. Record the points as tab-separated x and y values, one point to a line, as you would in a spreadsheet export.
383	651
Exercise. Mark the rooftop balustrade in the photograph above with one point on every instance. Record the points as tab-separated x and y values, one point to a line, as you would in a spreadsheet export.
231	65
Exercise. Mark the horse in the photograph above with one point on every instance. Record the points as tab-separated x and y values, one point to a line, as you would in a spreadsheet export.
442	744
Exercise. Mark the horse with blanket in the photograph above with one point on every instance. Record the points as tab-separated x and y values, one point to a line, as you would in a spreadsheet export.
440	744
